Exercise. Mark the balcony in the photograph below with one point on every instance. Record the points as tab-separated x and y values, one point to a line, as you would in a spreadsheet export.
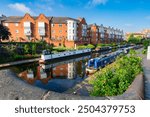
41	31
41	28
27	28
27	31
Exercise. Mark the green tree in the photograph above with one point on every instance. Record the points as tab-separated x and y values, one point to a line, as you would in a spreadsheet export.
4	33
134	40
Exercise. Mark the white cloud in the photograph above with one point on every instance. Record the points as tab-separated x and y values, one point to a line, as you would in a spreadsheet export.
21	7
44	8
93	3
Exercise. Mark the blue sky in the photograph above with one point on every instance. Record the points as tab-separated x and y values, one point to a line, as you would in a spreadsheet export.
129	15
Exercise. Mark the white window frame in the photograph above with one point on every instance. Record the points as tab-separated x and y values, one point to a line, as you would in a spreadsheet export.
16	24
6	24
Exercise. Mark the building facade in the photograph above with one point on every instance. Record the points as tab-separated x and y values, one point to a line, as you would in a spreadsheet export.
105	35
59	31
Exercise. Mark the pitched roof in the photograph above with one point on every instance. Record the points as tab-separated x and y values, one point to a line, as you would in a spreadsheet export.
13	19
62	19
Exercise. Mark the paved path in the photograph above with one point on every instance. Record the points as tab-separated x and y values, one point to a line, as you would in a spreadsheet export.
146	67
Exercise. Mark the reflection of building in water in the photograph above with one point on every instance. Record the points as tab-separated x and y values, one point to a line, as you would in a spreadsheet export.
43	73
81	68
60	71
30	74
71	70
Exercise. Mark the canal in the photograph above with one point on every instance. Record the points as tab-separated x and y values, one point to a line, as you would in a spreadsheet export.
58	76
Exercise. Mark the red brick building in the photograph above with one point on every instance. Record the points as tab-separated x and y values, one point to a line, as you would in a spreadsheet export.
59	31
105	35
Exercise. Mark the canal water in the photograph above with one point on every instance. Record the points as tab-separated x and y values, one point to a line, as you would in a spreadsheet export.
55	76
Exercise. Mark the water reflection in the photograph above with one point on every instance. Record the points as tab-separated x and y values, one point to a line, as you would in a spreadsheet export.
55	76
59	76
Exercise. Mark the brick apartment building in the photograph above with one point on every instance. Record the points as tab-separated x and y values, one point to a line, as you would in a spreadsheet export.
59	31
101	34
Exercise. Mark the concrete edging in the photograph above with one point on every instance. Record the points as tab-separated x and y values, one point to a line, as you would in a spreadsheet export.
134	92
12	88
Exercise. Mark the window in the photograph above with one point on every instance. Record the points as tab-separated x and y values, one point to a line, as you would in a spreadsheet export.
69	24
17	31
73	31
53	31
52	25
54	68
60	25
73	24
61	68
6	24
53	37
60	31
16	24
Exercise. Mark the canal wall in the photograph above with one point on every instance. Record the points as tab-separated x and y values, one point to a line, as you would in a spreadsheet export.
13	88
19	62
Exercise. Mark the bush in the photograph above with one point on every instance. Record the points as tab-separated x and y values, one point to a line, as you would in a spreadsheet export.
90	46
144	51
81	47
116	78
146	43
34	49
26	49
59	49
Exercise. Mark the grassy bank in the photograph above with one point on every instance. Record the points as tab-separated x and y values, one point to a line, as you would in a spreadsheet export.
116	78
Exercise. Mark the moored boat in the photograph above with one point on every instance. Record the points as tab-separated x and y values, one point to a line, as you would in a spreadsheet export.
49	56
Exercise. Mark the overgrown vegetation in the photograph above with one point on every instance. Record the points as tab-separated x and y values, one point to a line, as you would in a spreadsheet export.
116	78
19	51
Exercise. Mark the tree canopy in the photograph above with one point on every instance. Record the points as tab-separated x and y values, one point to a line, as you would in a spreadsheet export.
4	32
134	40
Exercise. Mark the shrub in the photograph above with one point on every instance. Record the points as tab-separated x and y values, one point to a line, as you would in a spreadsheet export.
81	47
116	78
59	49
90	46
34	49
26	49
146	43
